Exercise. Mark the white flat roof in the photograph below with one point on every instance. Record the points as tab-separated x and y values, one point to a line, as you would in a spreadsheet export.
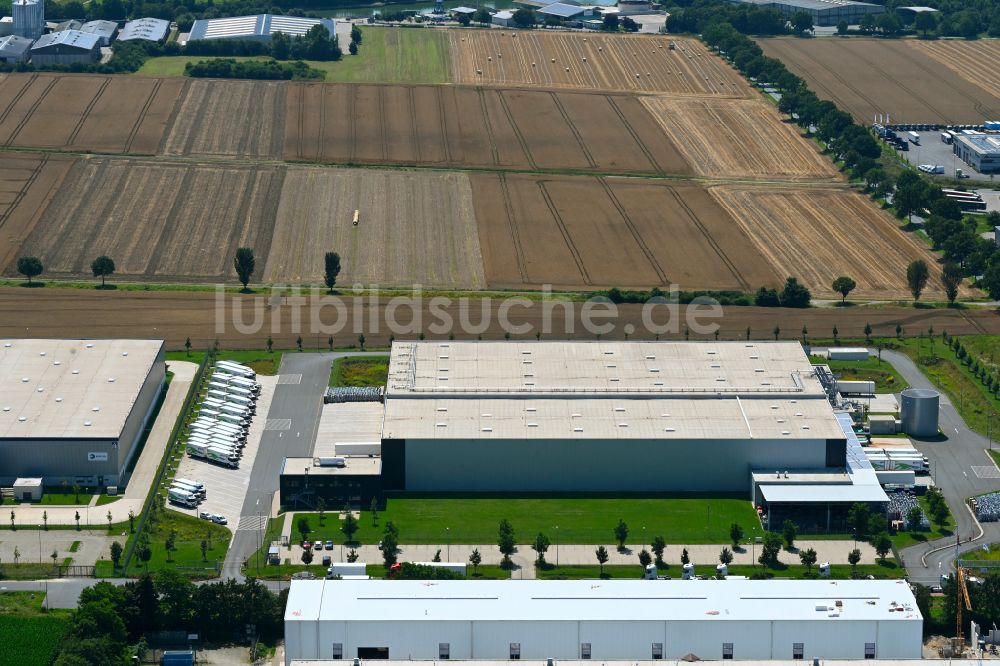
806	494
347	422
55	388
608	600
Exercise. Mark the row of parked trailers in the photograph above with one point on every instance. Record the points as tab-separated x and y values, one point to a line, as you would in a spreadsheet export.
890	136
186	492
897	458
219	432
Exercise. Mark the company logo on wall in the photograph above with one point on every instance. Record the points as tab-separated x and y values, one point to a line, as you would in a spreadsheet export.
97	456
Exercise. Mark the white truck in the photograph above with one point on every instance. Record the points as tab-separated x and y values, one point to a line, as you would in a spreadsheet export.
196	484
198	495
235	369
213	454
178	496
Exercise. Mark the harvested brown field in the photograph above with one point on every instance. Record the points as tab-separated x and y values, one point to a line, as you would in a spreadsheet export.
476	127
86	112
978	62
817	234
27	184
228	119
588	232
738	138
591	61
413	228
177	221
866	77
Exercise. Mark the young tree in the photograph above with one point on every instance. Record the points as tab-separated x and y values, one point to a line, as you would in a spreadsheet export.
187	345
645	559
808	558
45	519
437	556
307	556
109	517
303	527
853	558
17	554
916	277
913	517
12	527
789	530
859	518
735	535
170	543
352	48
244	263
726	556
349	526
270	344
506	541
621	533
939	514
882	546
475	559
374	511
131	521
204	550
843	286
321	510
868	331
144	553
76	493
951	280
298	342
540	546
352	556
685	559
602	557
29	267
658	546
770	549
331	269
390	548
102	267
77	518
776	331
116	554
356	35
361	341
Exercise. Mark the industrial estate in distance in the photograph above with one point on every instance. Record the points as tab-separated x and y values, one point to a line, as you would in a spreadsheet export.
552	331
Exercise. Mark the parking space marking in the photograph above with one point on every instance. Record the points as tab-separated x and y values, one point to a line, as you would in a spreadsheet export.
278	424
986	471
290	378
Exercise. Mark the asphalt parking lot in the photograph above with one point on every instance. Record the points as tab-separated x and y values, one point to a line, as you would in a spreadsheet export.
226	489
934	151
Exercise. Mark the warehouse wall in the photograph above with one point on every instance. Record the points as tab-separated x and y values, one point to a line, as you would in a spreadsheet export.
600	465
141	412
765	639
56	460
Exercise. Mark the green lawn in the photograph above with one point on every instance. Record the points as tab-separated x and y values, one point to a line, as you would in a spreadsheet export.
904	539
107	499
261	361
187	554
24	570
387	55
360	371
685	519
59	496
886	379
839	571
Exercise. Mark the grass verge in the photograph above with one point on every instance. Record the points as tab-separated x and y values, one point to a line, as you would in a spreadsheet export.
360	371
886	378
905	539
186	557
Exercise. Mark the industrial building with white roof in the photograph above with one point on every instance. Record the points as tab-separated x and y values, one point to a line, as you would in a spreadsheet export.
261	27
74	410
589	417
607	619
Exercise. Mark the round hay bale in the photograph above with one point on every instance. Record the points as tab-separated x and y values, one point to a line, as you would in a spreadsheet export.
553	60
567	69
585	60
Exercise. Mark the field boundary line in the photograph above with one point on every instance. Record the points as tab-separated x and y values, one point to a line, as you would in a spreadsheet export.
71	140
443	119
711	240
635	136
170	219
352	119
565	233
182	95
300	119
517	130
640	241
13	102
572	128
514	232
142	115
413	121
37	169
384	140
489	127
31	111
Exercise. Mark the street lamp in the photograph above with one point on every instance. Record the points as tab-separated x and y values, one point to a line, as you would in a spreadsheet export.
557	545
447	532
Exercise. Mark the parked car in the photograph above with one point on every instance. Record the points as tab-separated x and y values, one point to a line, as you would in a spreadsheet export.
205	515
318	545
219	519
326	560
306	545
329	544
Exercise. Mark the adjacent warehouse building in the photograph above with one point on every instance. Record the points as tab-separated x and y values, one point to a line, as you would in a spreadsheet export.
824	13
149	29
66	47
14	49
105	30
258	27
980	151
601	620
74	410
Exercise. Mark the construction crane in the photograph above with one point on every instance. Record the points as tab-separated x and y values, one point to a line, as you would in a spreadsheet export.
961	599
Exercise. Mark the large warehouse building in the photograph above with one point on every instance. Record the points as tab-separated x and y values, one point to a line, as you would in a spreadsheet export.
74	410
610	619
824	13
261	27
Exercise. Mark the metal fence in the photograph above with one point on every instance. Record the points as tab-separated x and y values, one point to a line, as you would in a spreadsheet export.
172	443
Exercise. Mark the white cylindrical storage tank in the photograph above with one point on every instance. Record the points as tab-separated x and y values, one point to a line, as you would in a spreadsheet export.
29	18
919	412
688	571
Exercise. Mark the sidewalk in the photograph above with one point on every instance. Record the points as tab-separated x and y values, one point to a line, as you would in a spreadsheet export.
142	476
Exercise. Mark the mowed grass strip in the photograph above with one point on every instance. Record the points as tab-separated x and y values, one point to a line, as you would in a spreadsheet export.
360	371
474	520
387	55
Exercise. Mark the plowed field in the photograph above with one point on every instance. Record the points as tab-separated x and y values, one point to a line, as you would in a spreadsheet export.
977	62
414	228
591	61
474	127
585	232
819	234
228	119
86	113
157	221
740	138
866	77
27	184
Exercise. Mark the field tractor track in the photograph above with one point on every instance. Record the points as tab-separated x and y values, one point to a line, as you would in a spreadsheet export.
170	220
514	233
444	125
142	116
172	118
567	238
494	152
34	107
635	136
86	112
20	93
12	206
517	130
842	80
572	128
352	122
414	128
384	139
909	90
711	241
636	235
